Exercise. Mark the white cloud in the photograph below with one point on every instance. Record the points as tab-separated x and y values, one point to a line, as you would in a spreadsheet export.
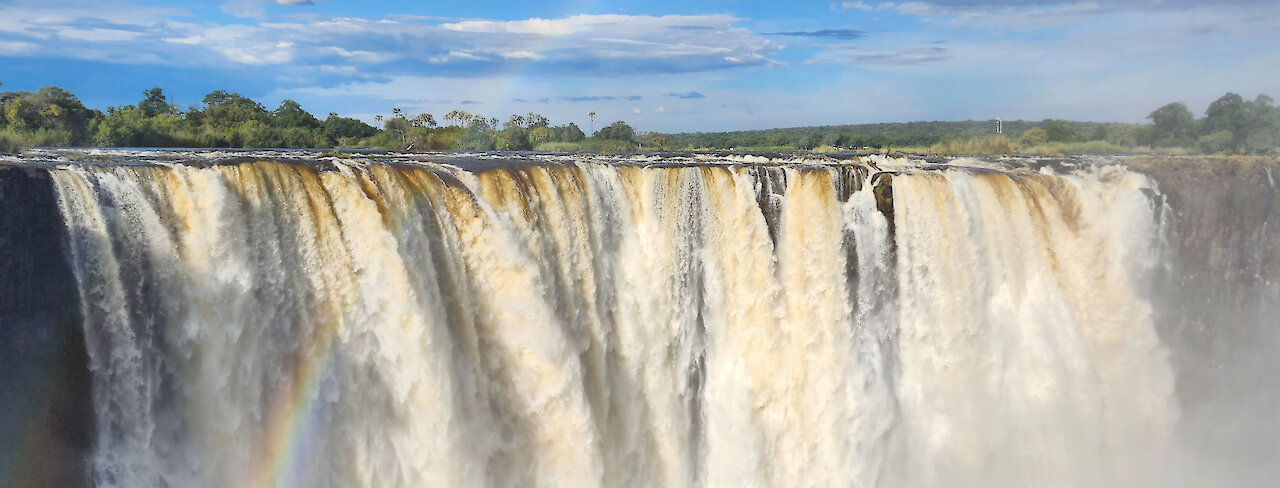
111	30
255	9
1008	58
856	5
1025	14
521	54
241	44
853	55
581	45
98	35
16	47
562	100
1115	66
358	55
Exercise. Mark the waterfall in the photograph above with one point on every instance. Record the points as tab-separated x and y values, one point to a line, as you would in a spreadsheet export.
587	322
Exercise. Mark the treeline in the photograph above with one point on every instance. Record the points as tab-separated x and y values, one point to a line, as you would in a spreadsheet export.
1230	125
467	131
898	135
52	116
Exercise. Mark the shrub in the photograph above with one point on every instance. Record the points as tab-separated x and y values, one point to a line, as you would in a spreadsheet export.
1033	136
9	144
987	145
1219	141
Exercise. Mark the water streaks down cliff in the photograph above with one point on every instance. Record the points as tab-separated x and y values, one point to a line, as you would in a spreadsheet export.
591	323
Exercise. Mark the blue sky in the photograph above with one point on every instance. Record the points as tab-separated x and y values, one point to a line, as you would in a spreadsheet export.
660	65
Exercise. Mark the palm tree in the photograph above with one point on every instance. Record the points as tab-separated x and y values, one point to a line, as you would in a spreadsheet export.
592	116
455	117
424	120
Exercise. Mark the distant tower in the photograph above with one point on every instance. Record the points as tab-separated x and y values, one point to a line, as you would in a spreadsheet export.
999	126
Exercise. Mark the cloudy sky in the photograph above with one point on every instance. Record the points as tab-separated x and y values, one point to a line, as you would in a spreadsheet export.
661	65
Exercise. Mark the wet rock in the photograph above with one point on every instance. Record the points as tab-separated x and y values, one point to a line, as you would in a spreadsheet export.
46	416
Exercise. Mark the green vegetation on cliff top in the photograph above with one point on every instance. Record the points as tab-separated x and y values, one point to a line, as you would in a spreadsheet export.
52	116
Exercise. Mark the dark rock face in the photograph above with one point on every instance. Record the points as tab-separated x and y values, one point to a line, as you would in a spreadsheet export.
1229	238
1221	316
46	411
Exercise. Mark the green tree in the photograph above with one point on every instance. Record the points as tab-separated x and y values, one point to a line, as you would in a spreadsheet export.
1225	114
155	103
513	136
1125	135
291	114
51	116
225	110
653	140
1060	131
572	133
480	123
457	117
424	120
533	120
539	135
617	131
476	138
398	127
1220	141
1099	133
1033	137
512	139
346	130
831	139
1232	124
1261	126
1173	125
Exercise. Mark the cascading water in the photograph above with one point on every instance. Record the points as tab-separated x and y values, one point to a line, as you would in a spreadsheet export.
619	323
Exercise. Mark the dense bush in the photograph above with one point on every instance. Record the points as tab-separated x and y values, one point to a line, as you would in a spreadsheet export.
9	144
1231	125
52	116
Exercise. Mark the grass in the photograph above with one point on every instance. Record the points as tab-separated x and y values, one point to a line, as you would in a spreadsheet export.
1097	147
588	145
777	149
1001	145
986	145
10	144
561	147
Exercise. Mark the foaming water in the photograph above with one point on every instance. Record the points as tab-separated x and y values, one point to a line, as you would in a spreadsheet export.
619	323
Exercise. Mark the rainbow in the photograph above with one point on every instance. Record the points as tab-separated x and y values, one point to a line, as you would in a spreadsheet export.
286	426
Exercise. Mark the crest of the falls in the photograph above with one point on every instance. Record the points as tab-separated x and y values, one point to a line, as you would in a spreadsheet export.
592	323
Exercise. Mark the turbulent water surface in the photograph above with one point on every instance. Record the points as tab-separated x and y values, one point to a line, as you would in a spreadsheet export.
558	321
